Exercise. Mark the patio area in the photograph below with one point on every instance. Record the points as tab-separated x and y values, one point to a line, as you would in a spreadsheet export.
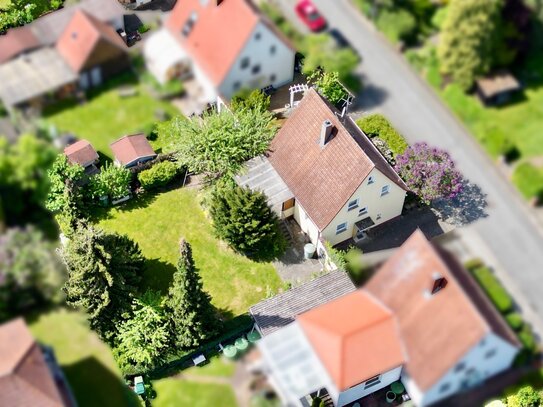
379	398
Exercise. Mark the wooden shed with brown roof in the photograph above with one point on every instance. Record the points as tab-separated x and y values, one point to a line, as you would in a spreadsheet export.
132	150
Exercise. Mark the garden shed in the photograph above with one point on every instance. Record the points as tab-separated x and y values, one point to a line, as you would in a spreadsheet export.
498	88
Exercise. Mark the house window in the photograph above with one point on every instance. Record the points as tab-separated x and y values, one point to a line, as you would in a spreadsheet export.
363	211
236	85
459	367
352	205
342	227
371	180
256	69
272	78
385	190
372	382
444	387
273	49
244	63
258	36
490	353
187	27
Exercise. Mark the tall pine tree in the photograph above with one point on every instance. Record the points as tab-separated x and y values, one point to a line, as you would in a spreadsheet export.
245	220
103	273
194	318
467	38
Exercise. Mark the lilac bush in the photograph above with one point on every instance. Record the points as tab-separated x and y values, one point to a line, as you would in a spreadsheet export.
429	172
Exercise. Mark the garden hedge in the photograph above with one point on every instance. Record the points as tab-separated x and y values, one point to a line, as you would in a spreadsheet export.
158	175
490	284
515	321
376	125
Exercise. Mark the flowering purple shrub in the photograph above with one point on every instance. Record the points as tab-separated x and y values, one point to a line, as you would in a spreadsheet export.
429	172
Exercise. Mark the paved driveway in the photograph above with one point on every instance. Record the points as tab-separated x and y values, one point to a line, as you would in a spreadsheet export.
497	219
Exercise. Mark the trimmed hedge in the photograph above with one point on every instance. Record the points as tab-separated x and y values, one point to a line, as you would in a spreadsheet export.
515	321
158	175
472	264
376	125
498	295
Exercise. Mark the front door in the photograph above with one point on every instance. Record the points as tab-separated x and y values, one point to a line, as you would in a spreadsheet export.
84	80
360	234
96	76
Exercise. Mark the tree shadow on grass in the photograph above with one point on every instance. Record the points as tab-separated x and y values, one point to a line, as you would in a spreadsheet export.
158	275
94	384
469	206
97	214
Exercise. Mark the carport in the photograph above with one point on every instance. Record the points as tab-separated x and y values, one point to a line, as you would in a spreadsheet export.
31	76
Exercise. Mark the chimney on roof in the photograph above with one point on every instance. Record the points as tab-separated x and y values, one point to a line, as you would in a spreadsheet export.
439	283
326	132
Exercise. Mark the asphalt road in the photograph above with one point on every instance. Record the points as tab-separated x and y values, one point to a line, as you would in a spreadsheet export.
391	87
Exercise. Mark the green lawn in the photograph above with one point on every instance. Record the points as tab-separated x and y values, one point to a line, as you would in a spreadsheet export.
175	393
86	361
234	282
4	4
106	116
217	367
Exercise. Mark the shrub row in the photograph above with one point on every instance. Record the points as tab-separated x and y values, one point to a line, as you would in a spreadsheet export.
376	125
498	295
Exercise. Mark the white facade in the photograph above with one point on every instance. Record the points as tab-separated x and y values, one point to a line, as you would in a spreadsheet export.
377	197
492	355
264	60
362	389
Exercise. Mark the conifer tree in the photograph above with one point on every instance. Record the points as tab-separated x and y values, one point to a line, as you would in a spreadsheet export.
244	219
194	319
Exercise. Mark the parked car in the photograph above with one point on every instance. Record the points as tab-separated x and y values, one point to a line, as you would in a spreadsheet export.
311	17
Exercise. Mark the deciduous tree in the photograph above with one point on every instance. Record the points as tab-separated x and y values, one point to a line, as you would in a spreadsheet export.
143	339
467	39
429	172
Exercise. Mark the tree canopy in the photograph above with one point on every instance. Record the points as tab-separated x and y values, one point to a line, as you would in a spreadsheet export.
429	172
245	220
219	143
189	306
467	39
31	273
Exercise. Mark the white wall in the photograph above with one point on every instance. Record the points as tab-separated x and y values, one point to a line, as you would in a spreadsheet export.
369	195
358	391
280	64
306	224
474	360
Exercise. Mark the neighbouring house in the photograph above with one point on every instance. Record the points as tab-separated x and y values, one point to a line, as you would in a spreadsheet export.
29	374
58	53
83	153
92	49
130	151
326	173
498	88
421	320
226	45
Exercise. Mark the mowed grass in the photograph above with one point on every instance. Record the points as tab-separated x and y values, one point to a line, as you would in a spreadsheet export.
107	116
217	367
86	361
175	393
4	4
233	281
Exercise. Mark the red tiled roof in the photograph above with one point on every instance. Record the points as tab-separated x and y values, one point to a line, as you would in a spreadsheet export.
355	337
218	35
16	41
84	35
323	179
25	378
437	330
81	152
130	148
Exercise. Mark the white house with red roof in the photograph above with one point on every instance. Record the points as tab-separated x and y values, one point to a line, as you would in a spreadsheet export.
421	320
227	45
329	175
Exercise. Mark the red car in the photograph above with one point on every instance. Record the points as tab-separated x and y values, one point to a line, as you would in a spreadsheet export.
309	14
